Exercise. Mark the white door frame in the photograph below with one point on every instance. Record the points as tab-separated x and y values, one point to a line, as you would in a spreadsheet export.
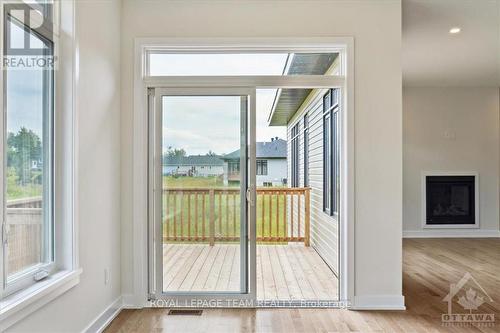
343	45
248	284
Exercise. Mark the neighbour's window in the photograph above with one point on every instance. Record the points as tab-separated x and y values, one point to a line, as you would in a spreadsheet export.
234	167
28	177
306	150
295	156
261	167
330	151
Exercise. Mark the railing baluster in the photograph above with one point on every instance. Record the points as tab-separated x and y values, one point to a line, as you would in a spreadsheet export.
262	230
211	220
166	214
307	212
285	224
182	215
277	216
270	214
291	215
175	216
234	215
299	210
203	217
189	215
196	218
220	214
227	213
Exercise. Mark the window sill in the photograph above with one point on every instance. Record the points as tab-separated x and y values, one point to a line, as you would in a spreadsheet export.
17	306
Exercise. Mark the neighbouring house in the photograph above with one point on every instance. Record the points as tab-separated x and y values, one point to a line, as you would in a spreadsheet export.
193	166
271	164
311	118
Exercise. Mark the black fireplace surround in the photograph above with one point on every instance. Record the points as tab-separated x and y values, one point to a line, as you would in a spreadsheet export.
450	200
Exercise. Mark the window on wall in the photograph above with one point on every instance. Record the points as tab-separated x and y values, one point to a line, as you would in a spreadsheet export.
306	150
295	156
330	152
233	167
28	237
261	167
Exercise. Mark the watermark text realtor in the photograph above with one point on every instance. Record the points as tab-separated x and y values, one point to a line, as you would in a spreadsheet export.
29	36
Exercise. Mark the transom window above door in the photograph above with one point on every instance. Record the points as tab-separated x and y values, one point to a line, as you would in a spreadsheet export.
237	64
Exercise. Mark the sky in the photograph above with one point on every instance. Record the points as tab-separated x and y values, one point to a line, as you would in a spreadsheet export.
199	124
202	124
24	91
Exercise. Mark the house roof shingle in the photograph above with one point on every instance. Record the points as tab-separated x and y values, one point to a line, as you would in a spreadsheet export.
274	149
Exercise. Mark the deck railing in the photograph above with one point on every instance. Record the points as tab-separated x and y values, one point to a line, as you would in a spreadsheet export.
213	215
191	215
24	223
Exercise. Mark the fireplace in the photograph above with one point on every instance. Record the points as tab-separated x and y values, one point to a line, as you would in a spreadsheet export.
450	200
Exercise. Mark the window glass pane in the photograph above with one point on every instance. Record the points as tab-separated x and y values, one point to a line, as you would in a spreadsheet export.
28	173
171	64
295	156
306	150
327	162
193	199
335	161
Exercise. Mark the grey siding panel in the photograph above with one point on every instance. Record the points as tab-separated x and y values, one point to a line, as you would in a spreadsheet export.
324	228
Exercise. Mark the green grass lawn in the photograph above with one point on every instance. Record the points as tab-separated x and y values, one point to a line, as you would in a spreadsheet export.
19	192
191	182
226	213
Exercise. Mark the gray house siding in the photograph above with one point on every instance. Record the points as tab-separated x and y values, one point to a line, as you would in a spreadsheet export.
324	228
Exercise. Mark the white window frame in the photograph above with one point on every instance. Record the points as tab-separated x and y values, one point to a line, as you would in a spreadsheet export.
25	278
343	45
19	301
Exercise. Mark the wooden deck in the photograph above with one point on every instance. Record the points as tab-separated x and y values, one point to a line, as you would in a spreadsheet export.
284	272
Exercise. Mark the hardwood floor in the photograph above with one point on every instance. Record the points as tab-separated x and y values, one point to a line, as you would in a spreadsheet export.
430	265
284	272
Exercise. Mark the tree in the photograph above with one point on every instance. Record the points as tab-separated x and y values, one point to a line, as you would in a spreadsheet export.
211	153
174	152
23	148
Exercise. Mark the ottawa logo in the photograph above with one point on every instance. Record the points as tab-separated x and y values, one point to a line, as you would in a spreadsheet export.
470	299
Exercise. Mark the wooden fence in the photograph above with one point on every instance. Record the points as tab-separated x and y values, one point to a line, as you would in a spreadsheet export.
213	214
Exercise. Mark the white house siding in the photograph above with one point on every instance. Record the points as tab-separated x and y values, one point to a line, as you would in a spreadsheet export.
276	171
324	228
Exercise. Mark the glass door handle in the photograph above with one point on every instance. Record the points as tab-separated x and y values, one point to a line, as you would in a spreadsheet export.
249	195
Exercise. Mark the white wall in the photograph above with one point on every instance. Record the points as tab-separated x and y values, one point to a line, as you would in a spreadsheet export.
276	171
376	28
98	108
451	129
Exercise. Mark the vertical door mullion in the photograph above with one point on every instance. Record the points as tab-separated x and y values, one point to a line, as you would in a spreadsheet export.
158	192
150	93
244	112
251	222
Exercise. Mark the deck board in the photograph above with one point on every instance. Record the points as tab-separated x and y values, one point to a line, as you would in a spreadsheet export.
284	272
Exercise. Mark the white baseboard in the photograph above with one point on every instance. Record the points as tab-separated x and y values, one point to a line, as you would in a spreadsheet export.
106	317
379	302
451	233
130	301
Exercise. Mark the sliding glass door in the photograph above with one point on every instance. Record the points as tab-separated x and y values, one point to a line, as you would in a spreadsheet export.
201	178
